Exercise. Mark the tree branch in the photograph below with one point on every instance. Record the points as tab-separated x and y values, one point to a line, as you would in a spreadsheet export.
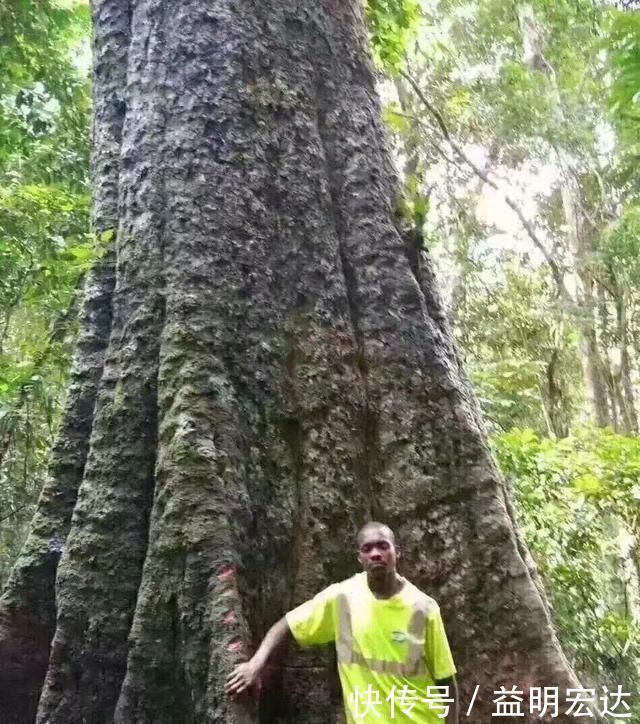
556	272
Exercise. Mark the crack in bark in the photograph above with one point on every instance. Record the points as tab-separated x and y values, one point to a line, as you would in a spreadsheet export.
293	435
351	287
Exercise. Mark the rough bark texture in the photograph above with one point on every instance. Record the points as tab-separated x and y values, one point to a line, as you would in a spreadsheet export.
279	369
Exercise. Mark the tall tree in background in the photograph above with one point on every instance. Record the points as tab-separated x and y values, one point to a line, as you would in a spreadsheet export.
45	245
263	364
523	83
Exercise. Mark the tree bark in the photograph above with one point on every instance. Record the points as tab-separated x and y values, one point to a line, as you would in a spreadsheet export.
551	398
622	329
279	369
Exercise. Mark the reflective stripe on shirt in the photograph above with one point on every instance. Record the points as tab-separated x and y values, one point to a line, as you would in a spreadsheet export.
414	662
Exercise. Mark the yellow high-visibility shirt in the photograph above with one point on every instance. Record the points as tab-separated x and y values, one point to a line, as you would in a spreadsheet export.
389	650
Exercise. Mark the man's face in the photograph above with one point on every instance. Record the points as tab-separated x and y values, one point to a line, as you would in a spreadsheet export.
377	553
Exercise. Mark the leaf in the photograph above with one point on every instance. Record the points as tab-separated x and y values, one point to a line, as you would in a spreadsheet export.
107	235
81	252
587	484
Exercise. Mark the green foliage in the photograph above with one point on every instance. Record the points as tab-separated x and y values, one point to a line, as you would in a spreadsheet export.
45	244
624	57
525	102
623	46
577	499
620	248
392	24
512	103
512	344
43	99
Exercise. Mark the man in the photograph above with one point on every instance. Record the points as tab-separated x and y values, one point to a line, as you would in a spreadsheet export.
390	642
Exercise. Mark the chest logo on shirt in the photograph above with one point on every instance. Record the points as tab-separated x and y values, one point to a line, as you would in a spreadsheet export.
398	636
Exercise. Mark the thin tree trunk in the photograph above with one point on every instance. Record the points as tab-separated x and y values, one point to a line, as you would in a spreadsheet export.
628	395
551	399
605	339
280	368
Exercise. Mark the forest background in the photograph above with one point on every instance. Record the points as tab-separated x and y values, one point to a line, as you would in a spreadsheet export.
516	128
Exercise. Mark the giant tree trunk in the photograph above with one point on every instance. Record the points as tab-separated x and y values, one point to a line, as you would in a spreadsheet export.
279	369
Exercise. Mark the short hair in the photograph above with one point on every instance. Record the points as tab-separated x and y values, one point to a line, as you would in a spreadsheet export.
375	525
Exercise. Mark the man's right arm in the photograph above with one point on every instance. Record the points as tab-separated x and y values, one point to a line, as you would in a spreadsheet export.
247	675
309	624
